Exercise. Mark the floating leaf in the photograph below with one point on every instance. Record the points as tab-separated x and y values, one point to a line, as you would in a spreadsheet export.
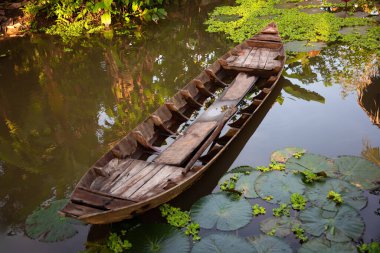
46	225
242	169
351	195
282	225
358	171
278	184
314	163
221	211
270	244
339	226
223	243
322	245
246	184
283	155
304	46
158	238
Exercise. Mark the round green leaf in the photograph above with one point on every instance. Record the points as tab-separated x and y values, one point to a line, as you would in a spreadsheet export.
221	211
270	244
278	184
223	243
246	184
314	163
282	225
283	155
339	226
242	169
46	225
351	195
158	238
358	171
322	245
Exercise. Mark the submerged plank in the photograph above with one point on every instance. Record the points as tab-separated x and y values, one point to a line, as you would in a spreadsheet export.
240	87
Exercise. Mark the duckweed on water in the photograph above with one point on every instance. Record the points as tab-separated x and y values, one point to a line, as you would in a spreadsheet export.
336	197
258	210
293	24
298	201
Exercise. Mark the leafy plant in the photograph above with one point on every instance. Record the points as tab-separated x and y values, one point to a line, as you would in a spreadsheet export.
276	166
310	177
283	210
257	210
117	244
300	233
263	168
298	155
298	201
373	247
175	216
193	230
336	197
268	198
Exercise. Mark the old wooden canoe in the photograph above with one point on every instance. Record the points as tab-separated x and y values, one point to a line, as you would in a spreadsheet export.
170	150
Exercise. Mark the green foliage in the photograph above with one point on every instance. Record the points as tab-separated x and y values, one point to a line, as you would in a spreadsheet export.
175	216
117	244
193	230
310	177
336	197
283	210
298	201
263	168
292	22
373	247
298	155
257	210
300	233
276	166
268	198
230	183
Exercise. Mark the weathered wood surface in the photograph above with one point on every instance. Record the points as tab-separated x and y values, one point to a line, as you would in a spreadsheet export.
240	86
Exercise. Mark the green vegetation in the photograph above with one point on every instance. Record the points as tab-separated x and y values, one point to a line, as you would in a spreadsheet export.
283	210
268	198
193	230
117	244
298	201
75	18
276	166
310	177
257	210
292	22
230	183
298	155
300	233
336	197
373	247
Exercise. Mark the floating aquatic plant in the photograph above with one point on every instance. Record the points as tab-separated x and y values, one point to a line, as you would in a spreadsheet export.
283	210
258	210
282	226
269	244
299	233
283	155
298	201
319	245
223	243
313	163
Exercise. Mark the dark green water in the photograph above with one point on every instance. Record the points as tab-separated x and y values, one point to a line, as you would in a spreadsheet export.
61	106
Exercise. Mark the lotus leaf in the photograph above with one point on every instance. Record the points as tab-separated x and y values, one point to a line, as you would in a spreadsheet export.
314	163
281	225
242	169
322	245
283	155
223	243
304	46
351	195
158	238
270	244
278	184
339	226
358	171
46	225
245	183
221	211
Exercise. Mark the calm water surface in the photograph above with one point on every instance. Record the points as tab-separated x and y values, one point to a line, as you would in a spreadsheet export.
62	106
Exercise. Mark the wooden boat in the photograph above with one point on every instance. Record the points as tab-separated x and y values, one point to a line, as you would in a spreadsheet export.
169	151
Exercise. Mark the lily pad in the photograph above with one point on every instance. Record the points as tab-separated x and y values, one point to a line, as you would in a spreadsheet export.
278	184
223	243
314	163
351	195
46	225
322	245
242	169
158	238
304	46
221	211
282	225
283	155
339	226
358	171
270	244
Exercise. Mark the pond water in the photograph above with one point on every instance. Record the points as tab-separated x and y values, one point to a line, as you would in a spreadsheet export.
63	105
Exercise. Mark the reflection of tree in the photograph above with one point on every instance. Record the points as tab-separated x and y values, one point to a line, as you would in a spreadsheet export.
371	153
60	108
301	93
300	67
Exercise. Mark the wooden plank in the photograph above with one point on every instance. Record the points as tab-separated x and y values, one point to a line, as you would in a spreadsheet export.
76	210
139	180
263	58
255	61
267	37
163	175
131	170
182	148
250	57
264	44
241	58
240	87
